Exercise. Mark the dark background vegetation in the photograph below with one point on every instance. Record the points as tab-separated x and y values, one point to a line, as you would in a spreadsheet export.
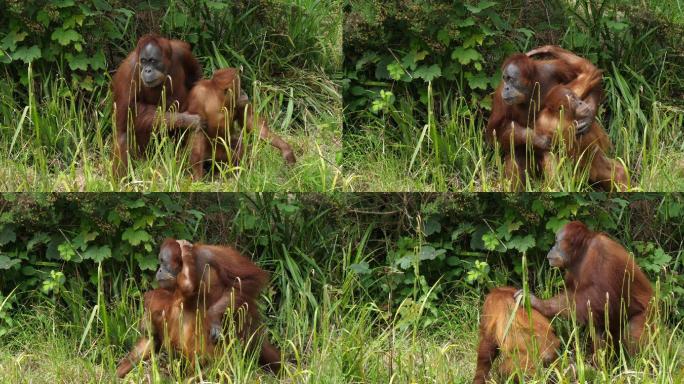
73	250
83	40
399	46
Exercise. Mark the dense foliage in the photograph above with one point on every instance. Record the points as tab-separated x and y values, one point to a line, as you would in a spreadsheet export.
90	37
394	48
416	42
55	243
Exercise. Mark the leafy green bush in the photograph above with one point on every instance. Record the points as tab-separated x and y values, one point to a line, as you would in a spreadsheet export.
46	237
411	43
63	32
293	34
394	48
643	45
89	37
479	241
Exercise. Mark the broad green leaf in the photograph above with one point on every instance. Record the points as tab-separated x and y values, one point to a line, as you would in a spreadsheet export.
98	61
428	73
368	57
660	258
144	221
381	67
465	55
508	227
444	36
197	214
7	263
431	226
65	36
102	5
114	218
477	81
38	238
674	209
358	91
428	252
412	58
10	41
521	243
287	209
361	268
463	228
135	237
146	262
377	106
97	253
73	21
43	17
453	261
555	223
480	7
83	238
7	235
491	242
473	40
66	251
568	210
486	103
125	11
27	54
77	62
538	207
62	3
405	262
395	71
467	22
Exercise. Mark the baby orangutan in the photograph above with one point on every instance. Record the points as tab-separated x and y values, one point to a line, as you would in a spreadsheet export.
220	101
565	105
516	338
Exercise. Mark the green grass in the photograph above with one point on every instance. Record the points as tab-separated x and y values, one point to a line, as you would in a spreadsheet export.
417	147
337	334
73	152
670	9
57	137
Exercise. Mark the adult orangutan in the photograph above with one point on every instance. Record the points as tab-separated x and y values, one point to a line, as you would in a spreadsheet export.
522	93
158	73
516	339
220	101
197	284
604	286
